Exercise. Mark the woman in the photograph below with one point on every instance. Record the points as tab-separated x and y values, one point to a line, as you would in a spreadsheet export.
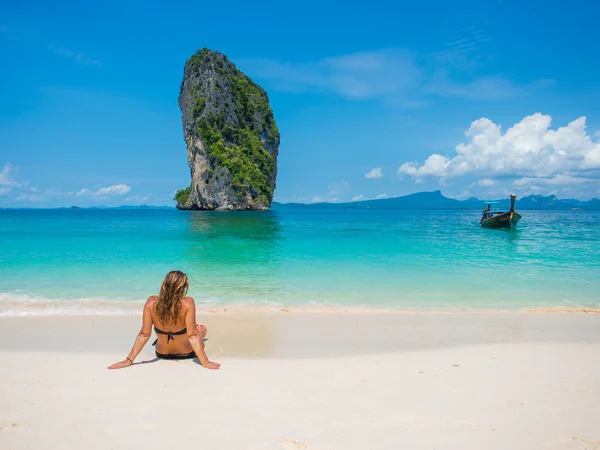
174	318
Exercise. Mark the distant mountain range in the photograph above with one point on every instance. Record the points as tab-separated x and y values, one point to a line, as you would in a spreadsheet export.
436	200
420	200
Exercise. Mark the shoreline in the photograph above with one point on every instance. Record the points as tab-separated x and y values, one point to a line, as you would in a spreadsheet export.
22	305
134	308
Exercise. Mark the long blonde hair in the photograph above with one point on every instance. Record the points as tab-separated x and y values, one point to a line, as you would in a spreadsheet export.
174	288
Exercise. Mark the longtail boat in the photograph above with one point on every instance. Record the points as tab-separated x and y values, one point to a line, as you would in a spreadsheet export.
498	217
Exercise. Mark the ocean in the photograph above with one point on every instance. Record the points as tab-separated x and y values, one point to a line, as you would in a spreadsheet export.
108	261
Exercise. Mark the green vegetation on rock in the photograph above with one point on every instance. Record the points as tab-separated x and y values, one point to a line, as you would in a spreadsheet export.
198	106
238	145
183	196
241	151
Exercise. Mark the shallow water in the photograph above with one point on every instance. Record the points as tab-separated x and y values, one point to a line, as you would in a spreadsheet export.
108	260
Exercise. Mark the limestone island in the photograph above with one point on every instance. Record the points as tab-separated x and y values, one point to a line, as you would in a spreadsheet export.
231	136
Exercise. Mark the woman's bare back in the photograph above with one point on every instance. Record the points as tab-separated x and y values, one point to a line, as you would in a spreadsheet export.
178	343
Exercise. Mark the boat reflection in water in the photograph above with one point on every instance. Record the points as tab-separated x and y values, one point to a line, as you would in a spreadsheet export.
499	217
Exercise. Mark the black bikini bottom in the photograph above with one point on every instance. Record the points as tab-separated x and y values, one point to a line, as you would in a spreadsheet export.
189	355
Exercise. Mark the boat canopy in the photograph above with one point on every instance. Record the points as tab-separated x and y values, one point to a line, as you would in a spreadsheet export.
491	202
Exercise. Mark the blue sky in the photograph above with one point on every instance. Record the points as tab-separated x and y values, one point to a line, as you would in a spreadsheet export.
372	99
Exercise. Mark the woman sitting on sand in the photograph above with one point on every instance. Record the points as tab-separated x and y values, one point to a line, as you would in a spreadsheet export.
174	318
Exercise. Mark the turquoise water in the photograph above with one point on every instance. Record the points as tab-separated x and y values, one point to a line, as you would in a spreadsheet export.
109	260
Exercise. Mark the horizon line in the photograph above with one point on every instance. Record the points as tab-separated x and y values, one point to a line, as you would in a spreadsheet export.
378	200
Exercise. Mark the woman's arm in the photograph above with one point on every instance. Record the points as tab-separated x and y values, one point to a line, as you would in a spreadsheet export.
196	339
140	340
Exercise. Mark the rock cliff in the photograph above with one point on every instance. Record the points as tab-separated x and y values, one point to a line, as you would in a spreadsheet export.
232	138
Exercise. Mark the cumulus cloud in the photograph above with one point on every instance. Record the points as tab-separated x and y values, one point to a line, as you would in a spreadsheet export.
5	191
530	150
380	196
118	189
375	173
358	197
104	193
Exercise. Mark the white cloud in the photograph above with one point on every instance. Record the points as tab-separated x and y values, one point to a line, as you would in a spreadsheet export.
434	166
375	173
24	196
6	177
564	186
336	191
358	197
23	191
35	195
103	193
397	76
118	189
364	75
558	180
79	58
137	198
484	182
380	196
529	150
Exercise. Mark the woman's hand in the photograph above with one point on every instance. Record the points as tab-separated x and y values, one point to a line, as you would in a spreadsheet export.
120	364
210	365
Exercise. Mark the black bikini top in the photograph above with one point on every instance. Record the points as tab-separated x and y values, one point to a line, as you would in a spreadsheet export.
170	334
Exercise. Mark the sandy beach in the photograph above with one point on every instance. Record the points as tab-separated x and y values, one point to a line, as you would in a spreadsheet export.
307	380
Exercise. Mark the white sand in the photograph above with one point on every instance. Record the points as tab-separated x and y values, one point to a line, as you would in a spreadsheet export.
316	381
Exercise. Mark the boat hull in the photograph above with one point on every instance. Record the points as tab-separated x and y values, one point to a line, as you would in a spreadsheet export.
503	220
